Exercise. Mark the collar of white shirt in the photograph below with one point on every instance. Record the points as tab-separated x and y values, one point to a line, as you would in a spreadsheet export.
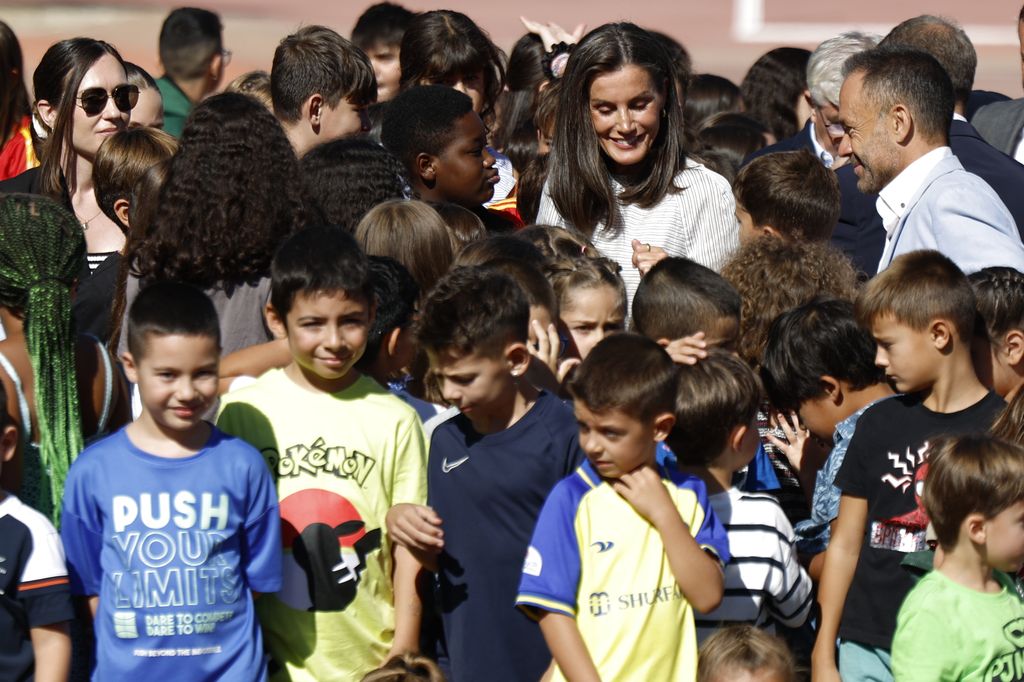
824	156
892	200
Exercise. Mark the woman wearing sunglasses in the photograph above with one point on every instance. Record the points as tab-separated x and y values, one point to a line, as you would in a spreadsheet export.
82	97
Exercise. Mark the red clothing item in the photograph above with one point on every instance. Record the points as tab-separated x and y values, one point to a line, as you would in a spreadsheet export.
17	155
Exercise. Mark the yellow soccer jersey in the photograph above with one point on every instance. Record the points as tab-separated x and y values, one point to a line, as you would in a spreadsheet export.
340	461
595	559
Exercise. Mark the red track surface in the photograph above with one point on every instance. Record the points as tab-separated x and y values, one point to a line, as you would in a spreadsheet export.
253	27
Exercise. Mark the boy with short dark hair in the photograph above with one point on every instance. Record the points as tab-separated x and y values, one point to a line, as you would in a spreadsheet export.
193	57
321	85
789	195
962	621
490	468
170	525
690	309
624	549
378	32
679	297
343	450
716	437
442	142
819	363
921	313
33	583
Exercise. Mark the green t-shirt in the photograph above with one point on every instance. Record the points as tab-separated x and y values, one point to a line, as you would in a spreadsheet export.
946	631
176	106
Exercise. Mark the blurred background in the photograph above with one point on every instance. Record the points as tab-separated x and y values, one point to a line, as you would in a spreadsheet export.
723	36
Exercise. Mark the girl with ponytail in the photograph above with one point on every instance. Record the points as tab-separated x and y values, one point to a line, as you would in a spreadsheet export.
59	385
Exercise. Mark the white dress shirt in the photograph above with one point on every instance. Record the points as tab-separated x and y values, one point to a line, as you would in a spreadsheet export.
892	200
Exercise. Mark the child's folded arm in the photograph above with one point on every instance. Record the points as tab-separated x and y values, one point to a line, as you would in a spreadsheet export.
698	574
567	647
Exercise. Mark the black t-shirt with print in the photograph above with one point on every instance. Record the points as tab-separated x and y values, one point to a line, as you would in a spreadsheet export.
882	466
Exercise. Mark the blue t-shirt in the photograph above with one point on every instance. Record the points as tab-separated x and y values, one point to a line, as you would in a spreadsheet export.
488	491
174	548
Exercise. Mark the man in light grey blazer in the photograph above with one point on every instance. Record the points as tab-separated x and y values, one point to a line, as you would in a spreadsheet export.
895	105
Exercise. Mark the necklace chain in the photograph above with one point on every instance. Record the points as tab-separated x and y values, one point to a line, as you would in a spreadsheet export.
85	224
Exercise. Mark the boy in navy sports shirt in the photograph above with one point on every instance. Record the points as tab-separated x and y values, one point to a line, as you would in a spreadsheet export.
170	525
490	469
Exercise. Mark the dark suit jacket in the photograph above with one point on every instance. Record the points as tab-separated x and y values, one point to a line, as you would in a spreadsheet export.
859	233
1000	124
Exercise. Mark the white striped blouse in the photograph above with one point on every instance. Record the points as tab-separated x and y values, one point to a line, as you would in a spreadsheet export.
698	223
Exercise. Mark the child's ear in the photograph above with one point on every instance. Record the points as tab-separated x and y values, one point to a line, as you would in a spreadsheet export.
736	437
942	333
130	370
275	323
518	358
663	424
1013	347
832	388
769	231
976	526
426	167
121	211
8	442
313	110
392	339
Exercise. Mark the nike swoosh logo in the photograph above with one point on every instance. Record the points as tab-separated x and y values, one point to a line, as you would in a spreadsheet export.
447	466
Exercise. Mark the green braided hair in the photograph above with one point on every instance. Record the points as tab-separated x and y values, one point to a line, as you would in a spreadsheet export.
42	250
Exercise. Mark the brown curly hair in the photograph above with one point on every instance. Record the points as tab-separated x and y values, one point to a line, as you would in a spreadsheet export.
774	276
233	193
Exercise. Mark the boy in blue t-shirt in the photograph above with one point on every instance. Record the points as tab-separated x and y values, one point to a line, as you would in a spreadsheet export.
625	548
170	525
490	468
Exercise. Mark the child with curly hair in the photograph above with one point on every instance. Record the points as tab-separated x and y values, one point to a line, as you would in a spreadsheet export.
773	276
233	194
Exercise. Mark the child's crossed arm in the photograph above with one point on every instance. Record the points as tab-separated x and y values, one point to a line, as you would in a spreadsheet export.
698	575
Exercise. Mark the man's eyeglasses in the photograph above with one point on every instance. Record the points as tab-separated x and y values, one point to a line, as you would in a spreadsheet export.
94	100
225	57
835	129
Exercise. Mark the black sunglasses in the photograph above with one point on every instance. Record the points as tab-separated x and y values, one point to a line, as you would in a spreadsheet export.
94	100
